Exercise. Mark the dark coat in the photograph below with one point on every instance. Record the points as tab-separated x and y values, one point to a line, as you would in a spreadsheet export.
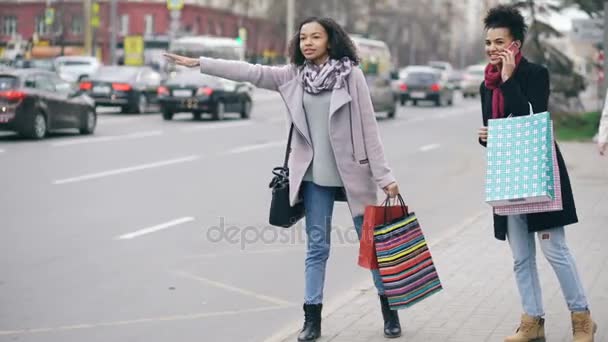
530	83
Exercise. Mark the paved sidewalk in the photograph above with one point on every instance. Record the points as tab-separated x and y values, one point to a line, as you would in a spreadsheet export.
480	300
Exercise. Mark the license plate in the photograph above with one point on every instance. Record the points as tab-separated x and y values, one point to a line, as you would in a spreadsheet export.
182	93
418	95
101	90
6	117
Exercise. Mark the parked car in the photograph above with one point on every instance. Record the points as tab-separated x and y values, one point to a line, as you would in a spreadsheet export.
129	87
34	102
423	83
197	93
76	68
473	77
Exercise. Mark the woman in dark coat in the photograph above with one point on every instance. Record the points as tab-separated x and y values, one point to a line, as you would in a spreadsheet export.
513	84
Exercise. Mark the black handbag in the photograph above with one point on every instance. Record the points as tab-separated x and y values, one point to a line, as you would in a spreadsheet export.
282	214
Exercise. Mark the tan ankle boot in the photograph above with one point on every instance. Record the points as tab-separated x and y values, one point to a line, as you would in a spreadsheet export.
583	327
531	329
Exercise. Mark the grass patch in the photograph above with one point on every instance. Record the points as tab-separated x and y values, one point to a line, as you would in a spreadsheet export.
576	127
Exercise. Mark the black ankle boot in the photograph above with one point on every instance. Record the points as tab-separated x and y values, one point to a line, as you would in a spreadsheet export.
392	327
312	323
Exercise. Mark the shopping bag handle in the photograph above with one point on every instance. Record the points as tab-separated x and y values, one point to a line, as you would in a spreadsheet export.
530	113
386	204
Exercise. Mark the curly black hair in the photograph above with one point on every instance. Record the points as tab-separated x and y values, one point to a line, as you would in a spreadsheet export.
339	41
509	17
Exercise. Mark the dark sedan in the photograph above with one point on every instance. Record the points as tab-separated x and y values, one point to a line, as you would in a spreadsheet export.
131	88
34	102
197	93
426	84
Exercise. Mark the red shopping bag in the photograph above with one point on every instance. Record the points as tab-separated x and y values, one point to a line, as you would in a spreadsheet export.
376	215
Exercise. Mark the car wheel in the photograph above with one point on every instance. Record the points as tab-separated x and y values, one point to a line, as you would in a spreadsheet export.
197	115
391	114
451	101
142	104
37	128
88	122
246	109
414	103
167	115
219	111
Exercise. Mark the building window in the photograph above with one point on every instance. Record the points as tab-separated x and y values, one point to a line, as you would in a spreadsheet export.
9	25
41	27
149	24
76	25
124	24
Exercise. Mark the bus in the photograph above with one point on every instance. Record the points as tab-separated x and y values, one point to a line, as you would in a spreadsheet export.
377	65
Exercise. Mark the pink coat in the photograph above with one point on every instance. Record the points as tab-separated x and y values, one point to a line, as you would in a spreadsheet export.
353	129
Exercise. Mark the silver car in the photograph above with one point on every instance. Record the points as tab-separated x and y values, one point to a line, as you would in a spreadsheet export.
472	79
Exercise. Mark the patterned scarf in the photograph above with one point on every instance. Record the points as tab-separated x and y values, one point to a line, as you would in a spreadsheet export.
327	76
493	80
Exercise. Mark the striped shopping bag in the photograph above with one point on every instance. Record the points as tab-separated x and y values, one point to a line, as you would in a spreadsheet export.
405	263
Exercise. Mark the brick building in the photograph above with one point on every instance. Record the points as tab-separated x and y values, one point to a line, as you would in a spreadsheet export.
150	19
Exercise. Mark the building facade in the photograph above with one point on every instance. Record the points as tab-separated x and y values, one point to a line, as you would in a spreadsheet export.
150	19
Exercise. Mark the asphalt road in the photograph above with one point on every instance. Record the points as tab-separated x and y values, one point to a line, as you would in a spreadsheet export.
157	231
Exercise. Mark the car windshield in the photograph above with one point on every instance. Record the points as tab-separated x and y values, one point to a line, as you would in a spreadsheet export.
7	82
46	64
421	77
116	73
74	63
439	66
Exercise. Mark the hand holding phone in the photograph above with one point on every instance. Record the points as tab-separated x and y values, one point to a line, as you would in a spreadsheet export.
513	48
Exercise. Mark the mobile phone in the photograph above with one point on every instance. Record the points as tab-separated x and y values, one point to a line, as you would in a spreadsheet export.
513	48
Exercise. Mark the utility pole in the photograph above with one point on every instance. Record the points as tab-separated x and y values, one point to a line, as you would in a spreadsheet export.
291	17
88	29
605	48
113	29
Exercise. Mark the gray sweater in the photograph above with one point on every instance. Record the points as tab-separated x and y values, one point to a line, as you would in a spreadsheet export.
323	170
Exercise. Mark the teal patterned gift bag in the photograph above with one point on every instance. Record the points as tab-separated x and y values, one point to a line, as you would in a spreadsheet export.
520	160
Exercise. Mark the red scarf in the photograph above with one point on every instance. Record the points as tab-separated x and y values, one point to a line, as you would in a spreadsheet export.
493	80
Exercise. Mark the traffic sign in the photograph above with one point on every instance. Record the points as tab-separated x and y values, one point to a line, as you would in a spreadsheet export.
49	16
95	14
175	5
134	50
588	30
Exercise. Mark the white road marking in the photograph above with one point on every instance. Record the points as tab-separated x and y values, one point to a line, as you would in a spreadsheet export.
254	147
203	127
239	290
135	135
126	170
156	228
139	321
430	147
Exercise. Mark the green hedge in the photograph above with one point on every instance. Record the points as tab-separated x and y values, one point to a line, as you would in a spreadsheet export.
579	127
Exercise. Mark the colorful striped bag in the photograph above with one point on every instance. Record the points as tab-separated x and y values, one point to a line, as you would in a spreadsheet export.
405	263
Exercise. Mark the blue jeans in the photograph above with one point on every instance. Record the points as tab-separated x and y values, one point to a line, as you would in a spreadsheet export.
319	204
553	244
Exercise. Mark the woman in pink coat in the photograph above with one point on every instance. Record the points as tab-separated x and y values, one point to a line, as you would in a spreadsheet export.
336	149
